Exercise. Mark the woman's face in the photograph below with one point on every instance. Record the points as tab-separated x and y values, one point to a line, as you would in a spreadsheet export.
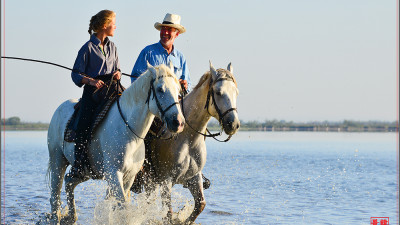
109	29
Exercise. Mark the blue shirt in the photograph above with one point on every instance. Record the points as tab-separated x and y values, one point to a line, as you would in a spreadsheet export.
155	54
93	62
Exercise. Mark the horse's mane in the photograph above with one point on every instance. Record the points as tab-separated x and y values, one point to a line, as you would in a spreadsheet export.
207	76
139	89
203	79
135	91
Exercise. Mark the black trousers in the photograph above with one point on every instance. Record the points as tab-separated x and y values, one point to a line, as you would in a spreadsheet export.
85	115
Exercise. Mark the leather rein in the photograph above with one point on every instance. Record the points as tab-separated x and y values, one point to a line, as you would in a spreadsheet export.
119	94
162	112
210	95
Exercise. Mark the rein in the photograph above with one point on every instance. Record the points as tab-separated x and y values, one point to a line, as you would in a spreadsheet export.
211	94
151	91
119	94
205	135
221	115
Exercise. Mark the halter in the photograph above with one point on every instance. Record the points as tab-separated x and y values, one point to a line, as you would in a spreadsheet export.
210	95
155	96
151	90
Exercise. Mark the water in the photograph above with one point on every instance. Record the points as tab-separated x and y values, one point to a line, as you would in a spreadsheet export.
257	178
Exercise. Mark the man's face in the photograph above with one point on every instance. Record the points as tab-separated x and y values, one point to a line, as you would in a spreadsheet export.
168	35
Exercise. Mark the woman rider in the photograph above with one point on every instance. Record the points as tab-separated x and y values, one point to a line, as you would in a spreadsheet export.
98	61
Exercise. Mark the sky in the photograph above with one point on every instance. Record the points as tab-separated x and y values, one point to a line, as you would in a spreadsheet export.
294	60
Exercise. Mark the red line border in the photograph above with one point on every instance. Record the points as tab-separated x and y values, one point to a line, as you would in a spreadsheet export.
4	113
397	103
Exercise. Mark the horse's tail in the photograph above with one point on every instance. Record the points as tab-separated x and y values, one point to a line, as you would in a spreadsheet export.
48	173
55	142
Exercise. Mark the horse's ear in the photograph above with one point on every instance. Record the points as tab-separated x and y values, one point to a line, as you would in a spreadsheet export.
213	71
151	68
230	68
148	65
171	66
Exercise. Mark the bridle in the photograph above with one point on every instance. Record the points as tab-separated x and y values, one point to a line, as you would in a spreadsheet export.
151	91
118	83
210	95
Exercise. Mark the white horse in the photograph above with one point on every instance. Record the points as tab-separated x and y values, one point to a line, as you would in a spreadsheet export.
117	150
181	160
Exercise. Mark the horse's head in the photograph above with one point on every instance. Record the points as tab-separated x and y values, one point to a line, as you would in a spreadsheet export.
163	99
223	93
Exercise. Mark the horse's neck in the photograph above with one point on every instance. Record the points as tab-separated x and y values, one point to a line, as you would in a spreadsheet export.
135	110
194	108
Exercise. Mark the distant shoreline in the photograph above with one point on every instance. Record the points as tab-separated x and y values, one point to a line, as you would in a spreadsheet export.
15	124
25	128
264	129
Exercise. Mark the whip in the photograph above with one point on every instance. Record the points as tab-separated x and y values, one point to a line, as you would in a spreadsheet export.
50	63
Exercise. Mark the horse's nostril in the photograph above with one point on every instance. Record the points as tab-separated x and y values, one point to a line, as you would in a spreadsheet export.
176	122
237	126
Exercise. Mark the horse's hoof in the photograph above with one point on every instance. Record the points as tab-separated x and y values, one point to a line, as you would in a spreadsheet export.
167	221
188	222
69	219
54	218
119	206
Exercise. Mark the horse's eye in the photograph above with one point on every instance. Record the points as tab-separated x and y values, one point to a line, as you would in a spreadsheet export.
218	93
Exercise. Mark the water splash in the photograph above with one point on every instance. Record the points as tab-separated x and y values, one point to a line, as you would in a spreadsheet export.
142	210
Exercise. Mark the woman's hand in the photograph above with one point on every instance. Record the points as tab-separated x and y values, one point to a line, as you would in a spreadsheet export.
117	75
97	83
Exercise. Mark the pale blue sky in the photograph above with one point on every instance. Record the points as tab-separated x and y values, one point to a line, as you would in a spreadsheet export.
296	60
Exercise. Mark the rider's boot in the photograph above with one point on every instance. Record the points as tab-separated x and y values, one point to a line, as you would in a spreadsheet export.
77	170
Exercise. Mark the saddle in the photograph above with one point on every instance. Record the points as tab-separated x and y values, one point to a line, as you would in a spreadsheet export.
105	97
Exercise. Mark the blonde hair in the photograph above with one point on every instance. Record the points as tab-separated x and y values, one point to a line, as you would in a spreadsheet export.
100	19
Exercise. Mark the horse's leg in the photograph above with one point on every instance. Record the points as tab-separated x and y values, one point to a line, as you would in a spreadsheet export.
128	182
57	166
149	184
70	184
166	189
195	185
116	187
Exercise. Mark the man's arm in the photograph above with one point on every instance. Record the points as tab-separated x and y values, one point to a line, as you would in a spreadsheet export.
140	66
185	75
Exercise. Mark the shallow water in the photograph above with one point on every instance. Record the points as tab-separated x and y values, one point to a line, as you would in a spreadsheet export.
256	178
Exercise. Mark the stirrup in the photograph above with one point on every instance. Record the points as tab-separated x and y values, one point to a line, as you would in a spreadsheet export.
206	182
76	173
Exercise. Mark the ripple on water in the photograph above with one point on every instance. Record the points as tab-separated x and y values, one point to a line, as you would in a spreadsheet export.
222	213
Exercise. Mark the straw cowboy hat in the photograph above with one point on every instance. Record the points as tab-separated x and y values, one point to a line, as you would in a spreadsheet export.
171	20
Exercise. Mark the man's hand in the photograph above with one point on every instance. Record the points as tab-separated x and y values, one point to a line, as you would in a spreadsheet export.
184	82
117	75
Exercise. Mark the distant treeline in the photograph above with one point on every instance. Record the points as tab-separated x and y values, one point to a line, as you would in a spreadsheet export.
346	126
14	123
